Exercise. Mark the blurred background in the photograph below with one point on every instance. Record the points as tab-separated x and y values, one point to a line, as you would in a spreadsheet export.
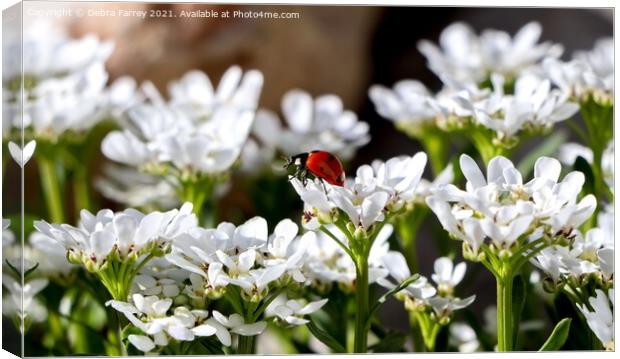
330	49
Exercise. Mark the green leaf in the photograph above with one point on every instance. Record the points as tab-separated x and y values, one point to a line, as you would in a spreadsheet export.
558	337
583	166
519	294
391	342
547	148
325	338
387	295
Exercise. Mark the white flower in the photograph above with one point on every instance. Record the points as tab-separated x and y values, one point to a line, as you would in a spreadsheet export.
197	131
464	337
148	285
7	235
124	232
409	102
48	52
194	93
568	153
587	254
446	275
549	260
399	177
233	324
534	105
444	307
135	189
320	123
21	300
464	56
587	73
396	265
244	256
292	311
151	315
49	254
325	262
369	197
65	82
507	208
601	319
424	188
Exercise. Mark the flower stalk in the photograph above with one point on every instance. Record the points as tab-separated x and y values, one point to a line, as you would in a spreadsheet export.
504	313
361	311
51	188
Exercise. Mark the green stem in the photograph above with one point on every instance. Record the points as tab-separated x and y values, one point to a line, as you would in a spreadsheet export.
416	333
362	293
504	313
246	345
81	191
407	228
429	330
114	322
483	142
332	236
436	146
51	189
197	192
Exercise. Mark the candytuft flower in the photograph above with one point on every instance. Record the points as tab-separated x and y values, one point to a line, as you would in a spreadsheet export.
463	56
600	320
125	238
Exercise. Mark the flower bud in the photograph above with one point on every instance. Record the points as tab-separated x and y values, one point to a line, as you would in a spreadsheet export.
549	285
181	299
74	257
351	227
359	234
444	320
324	217
505	254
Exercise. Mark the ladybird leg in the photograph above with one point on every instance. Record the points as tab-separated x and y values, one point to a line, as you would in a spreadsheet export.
324	187
304	176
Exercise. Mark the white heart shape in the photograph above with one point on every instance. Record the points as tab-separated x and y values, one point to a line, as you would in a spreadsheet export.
22	156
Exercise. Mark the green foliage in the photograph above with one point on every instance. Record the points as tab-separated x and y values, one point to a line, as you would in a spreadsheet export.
558	337
325	338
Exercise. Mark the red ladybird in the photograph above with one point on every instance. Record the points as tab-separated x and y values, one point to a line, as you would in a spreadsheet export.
321	164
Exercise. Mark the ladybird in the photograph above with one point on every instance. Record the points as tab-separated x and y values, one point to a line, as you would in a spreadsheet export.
321	164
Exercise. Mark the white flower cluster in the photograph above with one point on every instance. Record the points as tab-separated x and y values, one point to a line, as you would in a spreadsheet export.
326	263
199	130
152	316
465	57
107	236
202	266
588	256
244	256
588	73
292	311
375	192
64	82
534	105
320	123
493	80
503	209
420	295
601	318
568	153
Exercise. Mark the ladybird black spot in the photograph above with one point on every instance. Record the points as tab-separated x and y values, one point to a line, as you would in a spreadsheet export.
331	158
